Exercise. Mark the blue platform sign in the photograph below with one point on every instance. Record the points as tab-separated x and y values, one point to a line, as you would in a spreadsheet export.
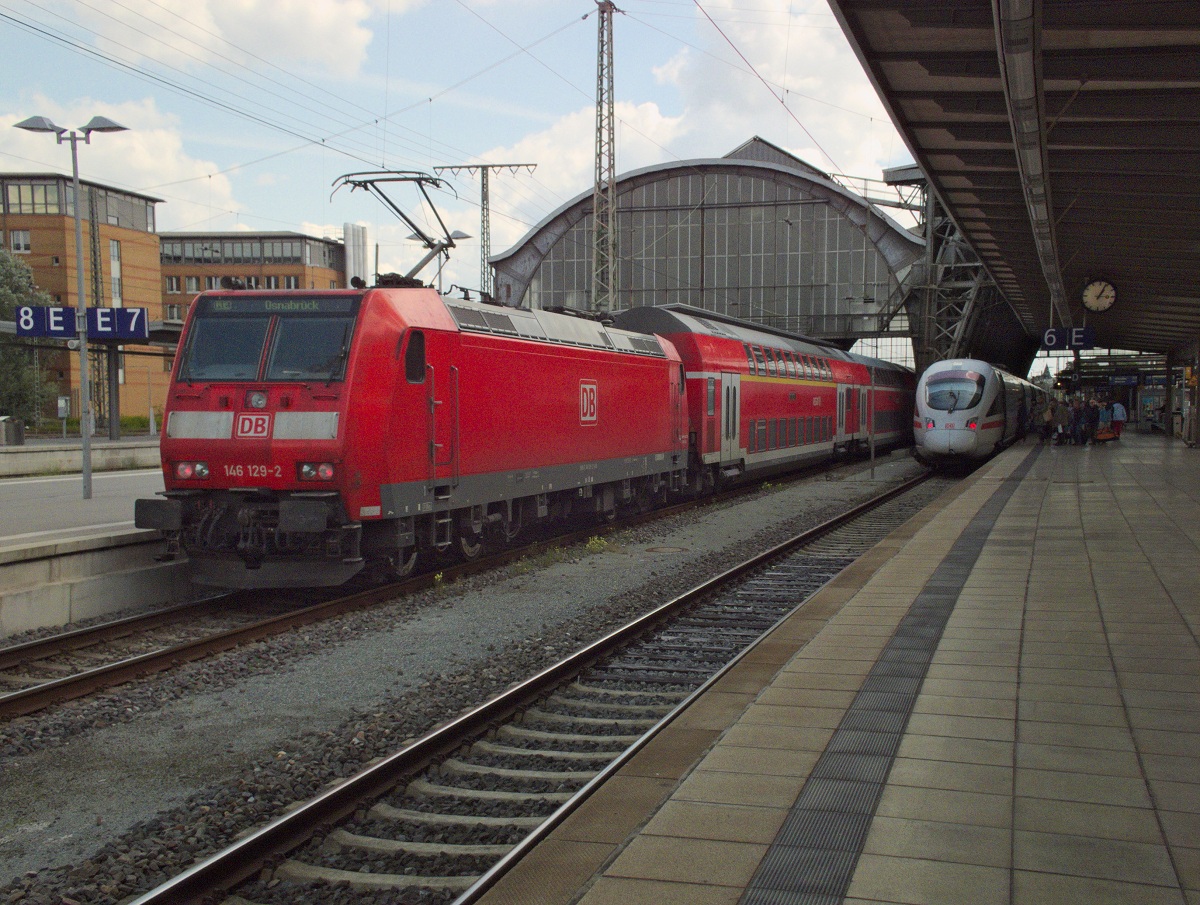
1069	338
41	320
117	323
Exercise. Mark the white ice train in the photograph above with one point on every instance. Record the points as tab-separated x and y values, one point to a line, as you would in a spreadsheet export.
968	409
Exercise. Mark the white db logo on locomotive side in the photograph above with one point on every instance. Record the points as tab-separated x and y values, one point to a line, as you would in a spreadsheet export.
252	426
587	402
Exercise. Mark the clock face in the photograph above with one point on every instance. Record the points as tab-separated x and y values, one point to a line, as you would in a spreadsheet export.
1099	295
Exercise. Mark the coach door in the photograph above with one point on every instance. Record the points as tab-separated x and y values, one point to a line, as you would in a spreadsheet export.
731	385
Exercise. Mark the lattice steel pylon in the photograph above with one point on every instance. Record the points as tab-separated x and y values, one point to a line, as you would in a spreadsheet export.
953	289
486	285
604	257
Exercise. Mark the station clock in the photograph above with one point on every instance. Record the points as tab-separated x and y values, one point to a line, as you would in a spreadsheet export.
1099	295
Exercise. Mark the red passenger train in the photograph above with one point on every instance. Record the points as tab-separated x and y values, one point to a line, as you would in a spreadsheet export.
310	434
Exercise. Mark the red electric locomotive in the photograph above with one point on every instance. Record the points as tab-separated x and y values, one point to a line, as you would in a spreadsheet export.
310	433
762	400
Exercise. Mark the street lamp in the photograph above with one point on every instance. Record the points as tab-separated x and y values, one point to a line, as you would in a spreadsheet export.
96	124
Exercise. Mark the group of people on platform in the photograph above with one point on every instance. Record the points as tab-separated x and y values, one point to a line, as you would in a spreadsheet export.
1078	422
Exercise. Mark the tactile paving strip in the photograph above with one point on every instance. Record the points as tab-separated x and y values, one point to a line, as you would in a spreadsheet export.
815	852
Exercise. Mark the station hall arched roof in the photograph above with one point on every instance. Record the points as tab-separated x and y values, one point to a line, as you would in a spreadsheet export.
755	158
1063	138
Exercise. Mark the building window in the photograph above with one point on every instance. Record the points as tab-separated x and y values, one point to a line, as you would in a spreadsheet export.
19	239
251	282
173	312
291	282
168	363
212	282
114	262
172	285
33	198
192	284
271	283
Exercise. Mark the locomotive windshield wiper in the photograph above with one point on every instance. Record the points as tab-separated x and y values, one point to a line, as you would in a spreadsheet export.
953	402
341	356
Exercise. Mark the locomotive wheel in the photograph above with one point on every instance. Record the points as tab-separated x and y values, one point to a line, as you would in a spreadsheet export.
407	563
470	545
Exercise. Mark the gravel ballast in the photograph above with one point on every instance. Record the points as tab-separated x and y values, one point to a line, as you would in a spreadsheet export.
104	798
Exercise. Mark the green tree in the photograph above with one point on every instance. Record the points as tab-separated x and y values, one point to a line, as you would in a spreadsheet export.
23	383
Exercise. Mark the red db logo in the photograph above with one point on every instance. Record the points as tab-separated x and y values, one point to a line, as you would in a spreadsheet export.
587	402
253	427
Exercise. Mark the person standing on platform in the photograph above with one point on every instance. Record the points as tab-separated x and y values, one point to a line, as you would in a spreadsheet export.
1119	415
1062	424
1091	420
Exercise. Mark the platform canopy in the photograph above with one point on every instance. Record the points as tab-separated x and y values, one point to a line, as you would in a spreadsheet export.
1064	140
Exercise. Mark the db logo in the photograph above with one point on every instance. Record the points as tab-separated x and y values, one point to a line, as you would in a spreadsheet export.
587	402
252	427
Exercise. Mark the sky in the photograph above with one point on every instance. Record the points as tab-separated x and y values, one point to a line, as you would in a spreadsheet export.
242	114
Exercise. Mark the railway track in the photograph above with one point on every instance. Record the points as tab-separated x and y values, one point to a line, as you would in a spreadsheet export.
443	818
70	665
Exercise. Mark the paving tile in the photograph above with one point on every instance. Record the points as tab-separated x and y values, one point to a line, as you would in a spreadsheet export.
806	697
1076	818
1176	744
1077	736
616	810
751	736
950	705
938	774
624	891
1177	796
704	820
1069	758
1174	769
937	841
961	727
740	788
1120	791
1071	694
764	761
971	808
1073	713
883	878
707	862
960	750
970	688
1088	856
550	874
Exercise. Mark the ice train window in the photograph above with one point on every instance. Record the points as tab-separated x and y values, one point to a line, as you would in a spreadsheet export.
952	391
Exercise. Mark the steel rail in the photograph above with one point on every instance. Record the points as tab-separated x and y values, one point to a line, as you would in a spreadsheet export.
38	697
262	848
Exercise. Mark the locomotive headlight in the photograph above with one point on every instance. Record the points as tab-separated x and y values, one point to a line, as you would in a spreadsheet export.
188	471
256	399
972	424
316	471
929	424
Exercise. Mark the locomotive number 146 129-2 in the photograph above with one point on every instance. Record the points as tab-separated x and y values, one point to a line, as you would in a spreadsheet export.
253	471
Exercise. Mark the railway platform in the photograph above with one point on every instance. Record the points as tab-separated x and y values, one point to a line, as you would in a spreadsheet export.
1000	703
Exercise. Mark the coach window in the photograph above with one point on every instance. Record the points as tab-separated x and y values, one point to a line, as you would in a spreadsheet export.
805	366
712	395
761	359
791	364
414	358
749	357
770	361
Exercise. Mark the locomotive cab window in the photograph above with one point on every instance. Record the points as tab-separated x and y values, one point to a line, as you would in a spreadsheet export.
952	391
234	338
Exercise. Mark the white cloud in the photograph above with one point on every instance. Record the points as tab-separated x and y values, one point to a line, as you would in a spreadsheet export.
799	50
331	35
149	158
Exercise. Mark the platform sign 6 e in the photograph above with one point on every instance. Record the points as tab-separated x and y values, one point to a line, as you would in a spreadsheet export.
588	402
1069	338
42	320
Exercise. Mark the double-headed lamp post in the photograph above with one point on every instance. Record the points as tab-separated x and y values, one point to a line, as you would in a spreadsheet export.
96	124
